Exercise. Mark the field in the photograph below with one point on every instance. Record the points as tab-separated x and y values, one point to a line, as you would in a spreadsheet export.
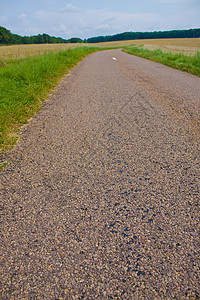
185	46
23	51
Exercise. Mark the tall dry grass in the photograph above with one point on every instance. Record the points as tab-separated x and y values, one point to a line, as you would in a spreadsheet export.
186	46
24	51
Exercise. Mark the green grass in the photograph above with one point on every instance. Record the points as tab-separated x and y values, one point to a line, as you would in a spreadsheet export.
26	83
2	165
190	64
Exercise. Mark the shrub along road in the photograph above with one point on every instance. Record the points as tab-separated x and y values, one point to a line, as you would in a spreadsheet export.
100	198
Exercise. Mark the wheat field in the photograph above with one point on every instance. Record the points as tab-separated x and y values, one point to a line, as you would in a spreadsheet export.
187	46
23	51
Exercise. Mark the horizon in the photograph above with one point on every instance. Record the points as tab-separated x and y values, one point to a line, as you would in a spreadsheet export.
105	35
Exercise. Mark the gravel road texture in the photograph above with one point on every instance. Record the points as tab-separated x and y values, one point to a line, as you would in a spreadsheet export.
100	198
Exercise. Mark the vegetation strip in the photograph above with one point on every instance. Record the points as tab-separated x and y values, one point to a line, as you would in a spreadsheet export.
190	64
6	37
26	83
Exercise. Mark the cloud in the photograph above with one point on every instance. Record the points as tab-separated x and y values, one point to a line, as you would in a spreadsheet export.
62	29
103	26
22	16
88	22
70	8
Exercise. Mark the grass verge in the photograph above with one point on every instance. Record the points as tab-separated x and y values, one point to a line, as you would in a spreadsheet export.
190	64
26	83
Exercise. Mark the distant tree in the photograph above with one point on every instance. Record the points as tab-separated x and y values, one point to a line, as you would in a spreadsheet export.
191	33
26	40
5	35
16	39
39	39
75	40
46	38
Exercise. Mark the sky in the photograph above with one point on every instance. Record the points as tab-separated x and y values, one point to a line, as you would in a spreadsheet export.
89	18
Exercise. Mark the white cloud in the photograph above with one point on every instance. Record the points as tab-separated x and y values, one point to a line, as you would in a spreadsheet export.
87	22
103	26
70	8
62	28
22	16
31	30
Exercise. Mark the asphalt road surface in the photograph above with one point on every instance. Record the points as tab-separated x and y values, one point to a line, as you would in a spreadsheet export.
100	199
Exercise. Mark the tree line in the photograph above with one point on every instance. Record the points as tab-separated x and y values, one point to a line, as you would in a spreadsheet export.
6	37
188	33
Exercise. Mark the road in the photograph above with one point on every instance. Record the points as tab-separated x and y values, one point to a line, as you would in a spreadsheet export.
100	198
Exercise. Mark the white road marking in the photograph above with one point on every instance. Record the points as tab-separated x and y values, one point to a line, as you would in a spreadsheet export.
114	58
